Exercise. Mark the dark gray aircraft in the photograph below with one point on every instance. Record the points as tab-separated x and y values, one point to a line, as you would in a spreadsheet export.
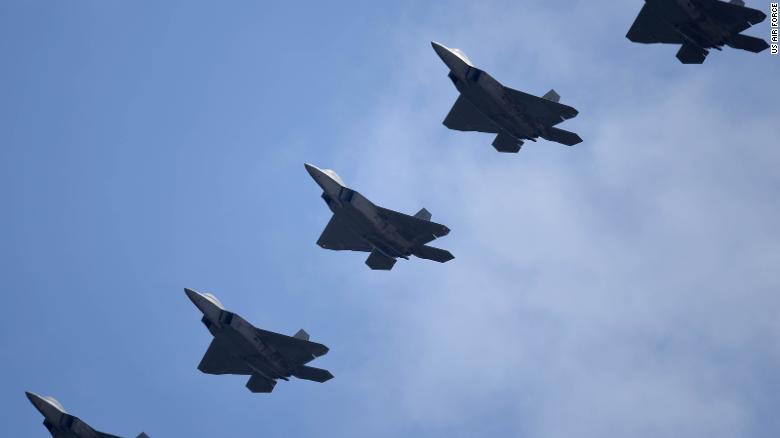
698	25
359	225
484	105
63	425
239	347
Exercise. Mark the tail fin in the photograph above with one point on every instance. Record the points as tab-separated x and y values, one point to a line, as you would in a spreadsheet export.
690	54
553	96
432	253
379	261
423	214
737	2
258	383
507	143
143	435
561	136
313	374
749	43
301	334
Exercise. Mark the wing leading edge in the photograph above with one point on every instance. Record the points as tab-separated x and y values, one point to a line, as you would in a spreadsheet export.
648	28
464	116
218	360
338	236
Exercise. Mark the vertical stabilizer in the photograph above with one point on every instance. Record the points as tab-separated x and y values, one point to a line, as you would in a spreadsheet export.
690	54
301	335
506	143
553	96
423	214
379	261
258	383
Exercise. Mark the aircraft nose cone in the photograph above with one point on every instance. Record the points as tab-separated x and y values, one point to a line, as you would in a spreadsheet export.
440	49
192	295
40	404
327	179
313	170
208	304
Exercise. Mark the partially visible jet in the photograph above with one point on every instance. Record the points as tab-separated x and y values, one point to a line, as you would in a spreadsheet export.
484	105
698	25
63	425
240	348
359	225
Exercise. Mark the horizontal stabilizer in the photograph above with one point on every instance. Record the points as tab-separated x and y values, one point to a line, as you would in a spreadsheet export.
379	261
552	95
258	383
301	335
432	253
749	43
313	374
423	214
507	143
690	54
562	136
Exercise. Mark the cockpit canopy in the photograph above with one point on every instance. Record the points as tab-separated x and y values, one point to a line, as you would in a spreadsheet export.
214	300
334	175
459	53
53	401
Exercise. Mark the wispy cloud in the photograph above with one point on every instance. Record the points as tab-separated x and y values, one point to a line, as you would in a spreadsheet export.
627	286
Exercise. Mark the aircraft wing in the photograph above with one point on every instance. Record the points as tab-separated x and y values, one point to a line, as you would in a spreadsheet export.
548	112
736	18
338	236
648	28
466	117
294	349
218	360
416	230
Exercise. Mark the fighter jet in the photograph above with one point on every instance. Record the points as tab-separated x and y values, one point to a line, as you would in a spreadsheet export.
698	25
484	105
63	425
359	225
239	347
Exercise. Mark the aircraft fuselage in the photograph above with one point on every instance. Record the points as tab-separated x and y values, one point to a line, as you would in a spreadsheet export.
690	19
248	345
367	222
492	100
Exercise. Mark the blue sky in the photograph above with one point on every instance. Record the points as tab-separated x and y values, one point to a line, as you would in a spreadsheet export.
627	286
